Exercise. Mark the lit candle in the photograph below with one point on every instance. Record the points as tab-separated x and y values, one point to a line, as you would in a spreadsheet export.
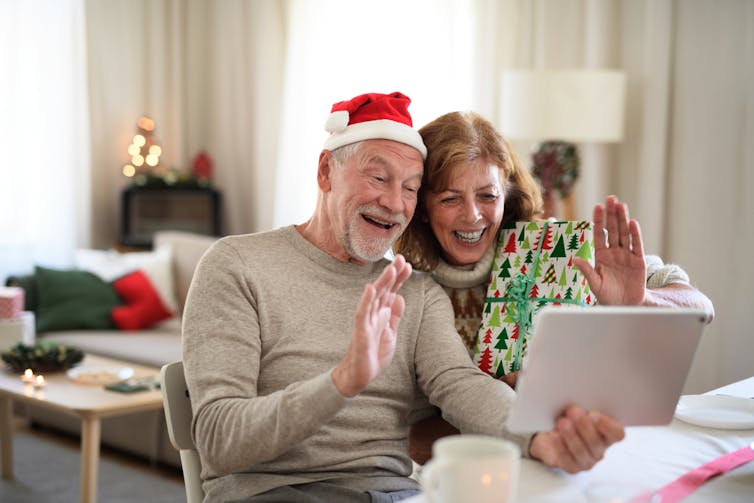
28	376
39	382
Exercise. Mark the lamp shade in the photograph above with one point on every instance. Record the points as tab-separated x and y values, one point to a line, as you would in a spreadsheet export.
569	105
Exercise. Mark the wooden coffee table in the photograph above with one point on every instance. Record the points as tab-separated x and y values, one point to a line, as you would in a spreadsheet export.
88	402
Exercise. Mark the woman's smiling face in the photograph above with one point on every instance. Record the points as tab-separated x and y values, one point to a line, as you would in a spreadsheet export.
466	216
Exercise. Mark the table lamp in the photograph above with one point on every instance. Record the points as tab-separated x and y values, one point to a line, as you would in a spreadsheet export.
560	108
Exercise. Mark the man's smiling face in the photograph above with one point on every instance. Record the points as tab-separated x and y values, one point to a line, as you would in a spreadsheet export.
372	197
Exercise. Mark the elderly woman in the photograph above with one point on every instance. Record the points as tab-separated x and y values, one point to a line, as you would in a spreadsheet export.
473	182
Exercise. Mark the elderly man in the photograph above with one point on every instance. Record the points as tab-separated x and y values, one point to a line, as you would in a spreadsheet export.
304	363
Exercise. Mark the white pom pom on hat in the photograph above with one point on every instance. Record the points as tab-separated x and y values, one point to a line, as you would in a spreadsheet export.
337	121
370	117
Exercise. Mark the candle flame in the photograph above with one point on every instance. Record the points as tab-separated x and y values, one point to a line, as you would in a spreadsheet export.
28	376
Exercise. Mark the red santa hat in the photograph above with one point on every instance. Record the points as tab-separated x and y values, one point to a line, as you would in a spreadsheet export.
370	117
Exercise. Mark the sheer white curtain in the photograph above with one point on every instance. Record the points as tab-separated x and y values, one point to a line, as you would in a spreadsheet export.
44	134
710	175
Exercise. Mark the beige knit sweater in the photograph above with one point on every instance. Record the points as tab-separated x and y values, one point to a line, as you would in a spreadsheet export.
267	318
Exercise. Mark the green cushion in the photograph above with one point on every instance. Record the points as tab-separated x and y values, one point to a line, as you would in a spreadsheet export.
29	284
73	300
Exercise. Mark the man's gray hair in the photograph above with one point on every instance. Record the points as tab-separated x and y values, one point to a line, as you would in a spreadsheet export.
341	154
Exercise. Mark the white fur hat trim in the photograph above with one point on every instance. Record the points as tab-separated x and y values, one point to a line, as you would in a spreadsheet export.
376	130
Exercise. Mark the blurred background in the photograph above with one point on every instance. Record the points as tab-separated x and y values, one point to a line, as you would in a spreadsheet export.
249	84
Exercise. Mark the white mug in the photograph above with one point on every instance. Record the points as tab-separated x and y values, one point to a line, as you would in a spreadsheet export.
467	468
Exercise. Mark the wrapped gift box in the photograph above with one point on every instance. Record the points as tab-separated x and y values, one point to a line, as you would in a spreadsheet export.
533	267
11	302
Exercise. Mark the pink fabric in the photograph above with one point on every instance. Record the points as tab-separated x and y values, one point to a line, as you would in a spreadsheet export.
11	302
692	480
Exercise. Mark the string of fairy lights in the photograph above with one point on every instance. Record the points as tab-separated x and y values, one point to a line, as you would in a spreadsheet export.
144	167
144	150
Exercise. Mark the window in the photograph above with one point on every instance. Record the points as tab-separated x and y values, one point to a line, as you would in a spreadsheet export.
44	173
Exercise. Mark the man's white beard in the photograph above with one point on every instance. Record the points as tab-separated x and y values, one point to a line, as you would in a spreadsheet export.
370	249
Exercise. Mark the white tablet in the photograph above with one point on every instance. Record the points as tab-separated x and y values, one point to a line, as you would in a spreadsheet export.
627	362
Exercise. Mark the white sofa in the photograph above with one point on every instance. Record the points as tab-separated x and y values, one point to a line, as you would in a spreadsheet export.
144	434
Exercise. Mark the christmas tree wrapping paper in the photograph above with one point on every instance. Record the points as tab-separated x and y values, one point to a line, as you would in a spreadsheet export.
533	268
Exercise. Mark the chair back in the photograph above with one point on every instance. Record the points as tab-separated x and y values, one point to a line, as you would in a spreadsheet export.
178	414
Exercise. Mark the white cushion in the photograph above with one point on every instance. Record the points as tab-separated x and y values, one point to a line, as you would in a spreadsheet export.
111	264
187	248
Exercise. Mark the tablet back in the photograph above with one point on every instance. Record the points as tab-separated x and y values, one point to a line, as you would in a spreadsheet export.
629	362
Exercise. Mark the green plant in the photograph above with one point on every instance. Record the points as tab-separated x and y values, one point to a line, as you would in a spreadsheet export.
43	356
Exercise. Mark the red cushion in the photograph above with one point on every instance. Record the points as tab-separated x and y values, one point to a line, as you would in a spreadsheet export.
143	305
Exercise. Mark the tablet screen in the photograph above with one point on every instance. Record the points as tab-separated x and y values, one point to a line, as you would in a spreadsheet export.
629	362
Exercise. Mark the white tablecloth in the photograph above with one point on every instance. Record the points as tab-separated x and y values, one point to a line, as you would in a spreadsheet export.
648	458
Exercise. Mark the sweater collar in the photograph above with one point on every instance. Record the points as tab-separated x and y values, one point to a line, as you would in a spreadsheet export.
465	276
